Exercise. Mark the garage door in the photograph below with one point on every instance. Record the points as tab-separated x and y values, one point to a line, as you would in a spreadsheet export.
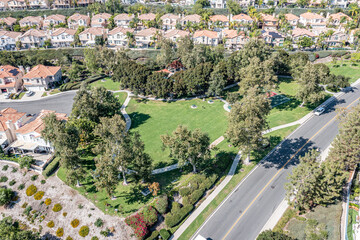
36	89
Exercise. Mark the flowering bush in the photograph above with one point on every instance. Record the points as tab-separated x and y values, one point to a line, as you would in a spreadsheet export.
51	224
57	207
31	190
75	223
39	195
141	221
84	231
69	238
48	201
60	232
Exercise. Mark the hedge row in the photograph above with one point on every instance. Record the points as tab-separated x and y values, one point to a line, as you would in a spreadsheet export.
177	214
51	168
164	234
154	235
76	85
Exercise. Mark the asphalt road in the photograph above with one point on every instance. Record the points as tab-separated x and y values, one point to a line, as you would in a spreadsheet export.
61	103
245	212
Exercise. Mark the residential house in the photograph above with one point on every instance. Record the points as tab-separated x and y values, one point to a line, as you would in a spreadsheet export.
292	19
84	3
147	37
77	20
339	3
10	120
219	22
62	37
190	19
338	38
8	40
273	38
206	37
312	19
299	33
233	39
242	18
100	20
10	79
339	18
17	4
123	20
118	37
53	20
175	34
169	21
36	4
269	22
218	3
246	3
354	36
33	38
88	36
42	77
7	22
31	21
61	4
144	18
3	5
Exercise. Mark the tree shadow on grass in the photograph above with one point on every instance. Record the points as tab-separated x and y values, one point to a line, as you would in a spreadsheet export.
289	105
135	195
138	118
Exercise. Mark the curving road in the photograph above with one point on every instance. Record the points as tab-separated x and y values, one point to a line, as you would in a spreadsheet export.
60	103
246	210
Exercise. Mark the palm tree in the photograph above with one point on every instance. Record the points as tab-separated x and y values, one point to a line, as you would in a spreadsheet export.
131	38
354	10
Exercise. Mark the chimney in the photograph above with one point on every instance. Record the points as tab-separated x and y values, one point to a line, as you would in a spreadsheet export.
11	131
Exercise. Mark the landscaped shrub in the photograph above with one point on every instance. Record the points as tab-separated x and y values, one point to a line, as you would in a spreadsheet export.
194	197
51	224
48	201
12	182
57	207
99	222
137	223
64	214
51	168
185	191
105	233
324	54
43	181
14	170
21	186
39	195
60	232
69	238
75	223
164	234
6	195
84	231
24	205
34	177
149	215
154	235
94	238
31	190
3	179
5	168
161	204
177	214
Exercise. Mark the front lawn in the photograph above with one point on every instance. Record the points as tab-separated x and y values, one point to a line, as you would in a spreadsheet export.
107	83
155	118
347	69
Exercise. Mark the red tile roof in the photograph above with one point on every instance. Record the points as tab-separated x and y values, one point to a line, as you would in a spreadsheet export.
41	71
9	114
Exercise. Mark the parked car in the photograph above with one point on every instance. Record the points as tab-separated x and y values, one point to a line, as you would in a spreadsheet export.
29	93
319	111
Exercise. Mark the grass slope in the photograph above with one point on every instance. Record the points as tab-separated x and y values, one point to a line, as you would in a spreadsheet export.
353	72
107	83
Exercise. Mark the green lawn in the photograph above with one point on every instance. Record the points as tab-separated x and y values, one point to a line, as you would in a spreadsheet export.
55	91
155	118
121	96
276	136
107	83
353	72
287	87
351	220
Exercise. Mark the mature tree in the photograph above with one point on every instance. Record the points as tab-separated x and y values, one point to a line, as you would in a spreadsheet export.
271	235
218	79
106	174
309	80
99	41
306	42
247	120
188	146
281	62
6	195
297	62
167	53
142	163
159	85
258	75
234	7
90	59
114	6
197	79
9	229
26	161
94	103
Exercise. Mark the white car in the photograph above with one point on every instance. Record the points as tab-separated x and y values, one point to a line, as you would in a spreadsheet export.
29	93
319	111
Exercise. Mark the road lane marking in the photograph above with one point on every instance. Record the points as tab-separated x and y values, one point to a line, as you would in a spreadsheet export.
277	173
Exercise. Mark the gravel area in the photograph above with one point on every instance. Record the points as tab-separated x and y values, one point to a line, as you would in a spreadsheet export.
73	204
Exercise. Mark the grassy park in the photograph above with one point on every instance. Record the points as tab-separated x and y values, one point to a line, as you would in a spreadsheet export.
347	69
107	83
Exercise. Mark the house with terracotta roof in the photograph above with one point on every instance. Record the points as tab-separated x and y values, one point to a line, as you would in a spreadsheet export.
7	22
175	34
118	37
61	4
100	20
10	120
312	19
337	39
206	37
88	36
17	4
77	20
192	19
339	18
169	21
299	33
292	19
242	18
42	77
10	79
234	39
3	5
33	38
146	37
273	38
62	37
28	137
269	22
8	40
84	3
147	17
123	20
37	4
31	21
54	20
219	21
